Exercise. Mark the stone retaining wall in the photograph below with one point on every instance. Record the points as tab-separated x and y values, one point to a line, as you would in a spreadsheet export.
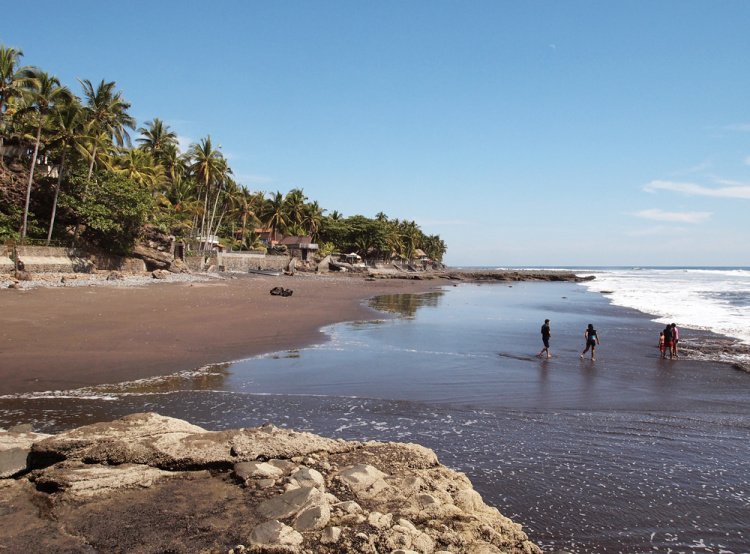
6	263
48	259
238	262
242	261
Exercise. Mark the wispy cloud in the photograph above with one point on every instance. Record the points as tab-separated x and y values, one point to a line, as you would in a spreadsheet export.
738	127
658	231
730	190
747	160
656	214
183	142
248	178
443	222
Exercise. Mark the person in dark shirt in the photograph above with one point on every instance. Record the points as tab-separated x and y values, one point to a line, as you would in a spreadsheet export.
592	339
668	340
545	339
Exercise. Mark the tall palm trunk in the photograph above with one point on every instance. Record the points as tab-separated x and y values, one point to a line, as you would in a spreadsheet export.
57	193
91	168
203	217
213	214
77	230
31	180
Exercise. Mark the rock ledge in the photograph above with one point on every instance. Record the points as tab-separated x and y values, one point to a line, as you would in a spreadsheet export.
149	483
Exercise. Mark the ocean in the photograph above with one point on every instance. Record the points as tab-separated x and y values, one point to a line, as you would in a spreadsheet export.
630	453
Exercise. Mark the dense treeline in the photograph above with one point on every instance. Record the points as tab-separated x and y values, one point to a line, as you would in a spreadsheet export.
70	172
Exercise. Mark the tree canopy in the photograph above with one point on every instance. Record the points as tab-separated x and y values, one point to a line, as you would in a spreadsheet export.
86	181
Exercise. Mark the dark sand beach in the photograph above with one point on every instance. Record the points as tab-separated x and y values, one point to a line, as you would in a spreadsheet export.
631	453
69	337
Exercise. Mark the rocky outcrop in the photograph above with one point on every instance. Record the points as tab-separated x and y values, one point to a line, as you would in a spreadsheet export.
512	275
149	483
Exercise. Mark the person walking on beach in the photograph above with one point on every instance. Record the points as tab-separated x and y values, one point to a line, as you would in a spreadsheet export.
675	340
667	340
592	339
545	339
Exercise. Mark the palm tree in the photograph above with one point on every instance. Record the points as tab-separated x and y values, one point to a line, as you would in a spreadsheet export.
10	84
43	92
108	112
157	138
176	166
139	166
294	204
274	213
68	132
209	168
313	218
244	210
410	236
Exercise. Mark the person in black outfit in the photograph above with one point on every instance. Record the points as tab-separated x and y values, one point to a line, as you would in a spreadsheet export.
545	339
668	337
592	339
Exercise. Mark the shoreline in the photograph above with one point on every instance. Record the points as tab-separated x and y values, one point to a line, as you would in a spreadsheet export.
59	333
62	338
86	331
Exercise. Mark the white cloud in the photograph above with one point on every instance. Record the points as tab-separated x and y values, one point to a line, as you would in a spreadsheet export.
443	222
659	230
249	178
183	142
740	127
673	217
747	160
732	190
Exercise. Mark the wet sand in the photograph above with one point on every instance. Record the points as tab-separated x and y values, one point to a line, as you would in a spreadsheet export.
69	337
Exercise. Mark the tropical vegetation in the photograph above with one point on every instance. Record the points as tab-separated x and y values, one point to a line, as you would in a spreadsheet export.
71	174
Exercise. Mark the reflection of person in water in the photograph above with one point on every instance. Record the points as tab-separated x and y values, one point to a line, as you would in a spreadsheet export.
592	339
545	339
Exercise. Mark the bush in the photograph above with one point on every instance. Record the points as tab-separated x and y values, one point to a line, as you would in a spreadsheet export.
113	211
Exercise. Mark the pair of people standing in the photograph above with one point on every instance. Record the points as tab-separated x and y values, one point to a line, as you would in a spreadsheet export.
590	335
668	340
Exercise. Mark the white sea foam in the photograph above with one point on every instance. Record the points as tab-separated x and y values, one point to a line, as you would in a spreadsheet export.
710	299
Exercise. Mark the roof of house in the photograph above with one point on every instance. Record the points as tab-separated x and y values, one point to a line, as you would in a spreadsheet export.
296	241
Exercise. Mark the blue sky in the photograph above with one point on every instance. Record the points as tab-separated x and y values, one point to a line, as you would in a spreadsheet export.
523	133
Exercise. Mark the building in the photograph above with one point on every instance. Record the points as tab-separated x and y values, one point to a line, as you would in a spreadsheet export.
299	246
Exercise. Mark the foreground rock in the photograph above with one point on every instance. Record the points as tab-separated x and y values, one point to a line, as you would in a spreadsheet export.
148	483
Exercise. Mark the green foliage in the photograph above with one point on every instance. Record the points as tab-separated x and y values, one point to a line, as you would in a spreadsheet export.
326	248
9	225
108	190
113	210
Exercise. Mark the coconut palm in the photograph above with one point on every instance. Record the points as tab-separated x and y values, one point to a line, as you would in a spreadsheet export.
43	92
244	211
11	84
139	166
157	138
274	214
68	132
107	111
410	236
313	218
294	204
209	168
